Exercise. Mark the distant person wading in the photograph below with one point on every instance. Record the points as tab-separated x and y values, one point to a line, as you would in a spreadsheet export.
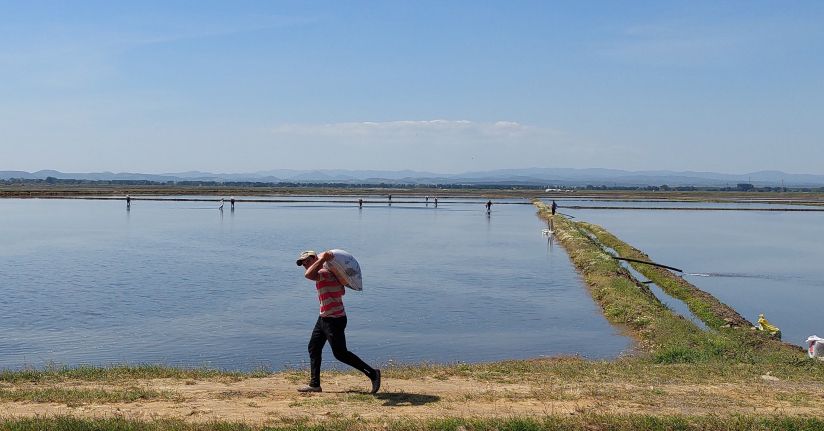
331	323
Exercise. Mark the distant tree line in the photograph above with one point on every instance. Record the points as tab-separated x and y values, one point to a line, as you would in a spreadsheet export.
746	187
282	184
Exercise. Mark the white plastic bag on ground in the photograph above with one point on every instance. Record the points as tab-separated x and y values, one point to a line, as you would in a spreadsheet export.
815	347
346	269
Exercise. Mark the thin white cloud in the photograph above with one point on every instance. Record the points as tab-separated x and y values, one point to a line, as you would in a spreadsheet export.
406	128
676	45
44	54
240	25
686	43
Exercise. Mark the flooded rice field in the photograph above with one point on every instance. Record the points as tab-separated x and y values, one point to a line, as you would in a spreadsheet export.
184	284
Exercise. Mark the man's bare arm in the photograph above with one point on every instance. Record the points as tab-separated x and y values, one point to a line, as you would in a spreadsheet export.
312	272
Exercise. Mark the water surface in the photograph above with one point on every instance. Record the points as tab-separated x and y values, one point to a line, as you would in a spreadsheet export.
181	283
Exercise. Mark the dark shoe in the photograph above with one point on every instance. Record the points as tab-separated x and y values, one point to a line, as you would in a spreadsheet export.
308	388
376	382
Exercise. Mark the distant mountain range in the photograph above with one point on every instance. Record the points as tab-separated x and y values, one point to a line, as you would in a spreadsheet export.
566	177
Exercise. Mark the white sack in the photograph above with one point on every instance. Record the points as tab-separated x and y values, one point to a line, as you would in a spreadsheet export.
346	269
815	347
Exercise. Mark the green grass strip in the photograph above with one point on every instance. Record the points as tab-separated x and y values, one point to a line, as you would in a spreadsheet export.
120	373
82	396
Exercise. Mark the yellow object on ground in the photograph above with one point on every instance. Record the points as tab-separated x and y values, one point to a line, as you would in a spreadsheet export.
765	325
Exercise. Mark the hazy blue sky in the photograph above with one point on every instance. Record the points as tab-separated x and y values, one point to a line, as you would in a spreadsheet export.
446	86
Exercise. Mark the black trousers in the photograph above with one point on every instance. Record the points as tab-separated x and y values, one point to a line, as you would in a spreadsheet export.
332	329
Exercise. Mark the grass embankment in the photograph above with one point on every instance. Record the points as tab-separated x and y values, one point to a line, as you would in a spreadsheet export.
666	336
705	306
680	377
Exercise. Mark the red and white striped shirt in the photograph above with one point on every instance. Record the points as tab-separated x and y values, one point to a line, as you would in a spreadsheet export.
330	294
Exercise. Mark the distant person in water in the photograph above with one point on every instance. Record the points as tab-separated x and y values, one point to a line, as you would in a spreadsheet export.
360	202
554	207
128	201
221	204
331	323
436	201
232	202
489	206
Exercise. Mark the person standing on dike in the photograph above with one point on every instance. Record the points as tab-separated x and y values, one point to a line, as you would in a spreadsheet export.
331	322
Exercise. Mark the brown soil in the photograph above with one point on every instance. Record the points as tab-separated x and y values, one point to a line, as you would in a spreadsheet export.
273	399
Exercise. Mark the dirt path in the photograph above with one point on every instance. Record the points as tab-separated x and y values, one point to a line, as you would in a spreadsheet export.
273	399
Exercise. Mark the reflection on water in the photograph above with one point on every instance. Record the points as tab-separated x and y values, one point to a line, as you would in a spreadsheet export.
756	262
777	277
183	283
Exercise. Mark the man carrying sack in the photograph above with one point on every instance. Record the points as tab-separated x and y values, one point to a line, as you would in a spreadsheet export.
331	322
